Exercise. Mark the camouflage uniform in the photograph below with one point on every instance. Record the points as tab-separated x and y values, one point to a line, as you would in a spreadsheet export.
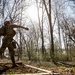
7	42
8	38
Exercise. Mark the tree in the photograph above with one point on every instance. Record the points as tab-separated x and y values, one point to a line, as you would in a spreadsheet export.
51	28
41	25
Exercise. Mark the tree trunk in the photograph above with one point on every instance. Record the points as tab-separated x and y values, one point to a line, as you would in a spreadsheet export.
51	29
60	48
41	29
51	32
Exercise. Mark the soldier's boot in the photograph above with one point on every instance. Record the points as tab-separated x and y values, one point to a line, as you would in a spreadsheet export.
13	62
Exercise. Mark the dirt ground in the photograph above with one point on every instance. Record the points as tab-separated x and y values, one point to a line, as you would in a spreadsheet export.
19	69
6	68
64	69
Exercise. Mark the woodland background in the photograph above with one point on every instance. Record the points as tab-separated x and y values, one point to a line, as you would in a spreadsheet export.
49	37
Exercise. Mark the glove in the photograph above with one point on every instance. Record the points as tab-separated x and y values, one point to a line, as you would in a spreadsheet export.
27	28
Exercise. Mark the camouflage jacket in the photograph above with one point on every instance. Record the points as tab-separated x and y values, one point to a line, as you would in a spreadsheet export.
9	30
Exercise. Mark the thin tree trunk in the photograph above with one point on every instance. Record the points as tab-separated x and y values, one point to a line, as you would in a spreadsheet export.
51	29
41	29
60	48
42	34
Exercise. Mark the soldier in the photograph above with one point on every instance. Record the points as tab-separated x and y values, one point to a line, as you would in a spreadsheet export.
9	33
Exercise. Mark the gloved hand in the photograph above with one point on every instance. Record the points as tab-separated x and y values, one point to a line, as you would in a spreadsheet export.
27	28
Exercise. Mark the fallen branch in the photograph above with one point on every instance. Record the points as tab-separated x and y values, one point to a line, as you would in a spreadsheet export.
43	70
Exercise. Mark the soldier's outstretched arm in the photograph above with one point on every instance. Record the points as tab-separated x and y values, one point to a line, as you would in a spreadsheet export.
18	26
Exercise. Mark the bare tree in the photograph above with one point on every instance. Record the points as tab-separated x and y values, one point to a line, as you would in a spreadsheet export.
41	25
51	28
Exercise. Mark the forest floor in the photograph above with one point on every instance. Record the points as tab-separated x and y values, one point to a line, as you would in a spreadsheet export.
6	68
67	68
63	68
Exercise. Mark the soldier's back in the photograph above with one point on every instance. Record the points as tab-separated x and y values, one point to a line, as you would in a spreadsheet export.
10	31
2	32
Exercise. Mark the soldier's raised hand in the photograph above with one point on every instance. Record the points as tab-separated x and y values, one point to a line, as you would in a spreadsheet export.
27	28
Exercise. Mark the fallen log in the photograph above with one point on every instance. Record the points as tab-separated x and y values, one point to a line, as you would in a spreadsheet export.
43	70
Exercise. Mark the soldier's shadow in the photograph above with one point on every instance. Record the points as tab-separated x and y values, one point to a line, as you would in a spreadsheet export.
4	69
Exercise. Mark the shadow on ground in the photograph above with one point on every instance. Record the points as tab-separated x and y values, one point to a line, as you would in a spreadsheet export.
4	69
64	64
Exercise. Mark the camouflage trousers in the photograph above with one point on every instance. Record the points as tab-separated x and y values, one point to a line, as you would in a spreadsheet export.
7	43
